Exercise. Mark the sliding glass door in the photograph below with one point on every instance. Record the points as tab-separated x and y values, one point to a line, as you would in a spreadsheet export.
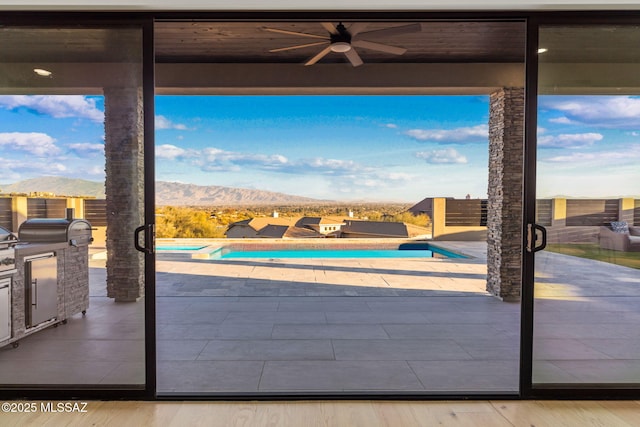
586	329
72	133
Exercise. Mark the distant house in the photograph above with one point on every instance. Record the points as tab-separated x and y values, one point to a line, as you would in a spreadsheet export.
315	227
322	225
381	229
424	206
249	228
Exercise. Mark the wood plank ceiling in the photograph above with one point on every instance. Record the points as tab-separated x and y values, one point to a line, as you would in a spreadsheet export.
250	42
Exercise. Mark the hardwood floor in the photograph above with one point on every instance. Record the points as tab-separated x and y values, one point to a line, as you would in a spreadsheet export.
334	413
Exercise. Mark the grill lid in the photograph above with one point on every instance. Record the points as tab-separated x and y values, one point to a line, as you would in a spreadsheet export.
55	230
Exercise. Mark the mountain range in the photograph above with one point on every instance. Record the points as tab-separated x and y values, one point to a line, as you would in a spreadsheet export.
167	193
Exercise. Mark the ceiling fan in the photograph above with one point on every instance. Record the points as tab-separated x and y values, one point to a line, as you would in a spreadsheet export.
343	40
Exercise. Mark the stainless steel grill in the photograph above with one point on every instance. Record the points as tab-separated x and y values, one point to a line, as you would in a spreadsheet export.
76	232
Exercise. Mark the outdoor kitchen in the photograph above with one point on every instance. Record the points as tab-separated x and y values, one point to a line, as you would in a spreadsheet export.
44	275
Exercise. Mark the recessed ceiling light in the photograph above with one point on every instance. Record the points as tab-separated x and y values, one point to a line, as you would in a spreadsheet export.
42	72
542	50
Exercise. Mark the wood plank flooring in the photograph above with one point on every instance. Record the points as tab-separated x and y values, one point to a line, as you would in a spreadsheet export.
339	413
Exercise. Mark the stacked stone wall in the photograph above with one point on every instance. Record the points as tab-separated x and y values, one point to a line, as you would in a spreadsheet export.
504	218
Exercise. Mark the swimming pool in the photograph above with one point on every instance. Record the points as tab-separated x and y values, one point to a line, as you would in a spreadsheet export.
179	248
421	251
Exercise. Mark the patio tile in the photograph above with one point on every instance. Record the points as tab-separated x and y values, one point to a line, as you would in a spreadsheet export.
327	331
361	349
267	350
296	317
346	304
624	348
201	319
375	317
126	373
205	306
468	375
472	317
599	371
186	332
431	330
23	372
491	348
179	349
208	376
545	371
231	330
338	376
564	349
50	350
582	330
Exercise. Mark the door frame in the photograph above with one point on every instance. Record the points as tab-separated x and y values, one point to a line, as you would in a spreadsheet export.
143	22
527	390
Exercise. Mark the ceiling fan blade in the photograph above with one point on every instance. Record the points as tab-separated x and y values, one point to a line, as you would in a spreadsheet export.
318	56
294	33
300	46
329	27
356	27
353	57
379	46
393	31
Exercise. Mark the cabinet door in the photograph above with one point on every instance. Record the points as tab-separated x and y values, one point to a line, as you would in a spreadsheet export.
44	290
5	311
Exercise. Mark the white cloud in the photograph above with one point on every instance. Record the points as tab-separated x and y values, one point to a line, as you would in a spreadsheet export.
391	126
170	152
57	106
338	171
218	159
605	111
36	143
162	122
451	136
446	156
96	170
86	148
575	140
603	158
561	120
41	167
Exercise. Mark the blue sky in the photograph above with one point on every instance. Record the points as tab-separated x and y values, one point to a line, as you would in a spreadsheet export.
369	148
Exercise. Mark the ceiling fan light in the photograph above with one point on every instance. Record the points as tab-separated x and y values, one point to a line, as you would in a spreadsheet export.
340	47
42	72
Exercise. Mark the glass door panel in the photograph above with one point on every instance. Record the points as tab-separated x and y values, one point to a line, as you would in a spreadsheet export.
587	293
71	135
252	157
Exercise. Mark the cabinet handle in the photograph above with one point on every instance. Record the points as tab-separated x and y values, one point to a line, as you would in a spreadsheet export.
34	285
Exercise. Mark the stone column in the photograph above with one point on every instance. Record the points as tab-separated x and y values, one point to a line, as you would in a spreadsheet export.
504	219
124	188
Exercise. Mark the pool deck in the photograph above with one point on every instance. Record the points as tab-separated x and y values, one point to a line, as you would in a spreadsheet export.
366	325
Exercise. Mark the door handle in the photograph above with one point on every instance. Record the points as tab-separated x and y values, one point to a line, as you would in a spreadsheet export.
149	237
34	296
532	237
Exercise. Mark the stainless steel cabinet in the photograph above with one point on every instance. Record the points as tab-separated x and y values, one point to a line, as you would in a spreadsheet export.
5	308
41	282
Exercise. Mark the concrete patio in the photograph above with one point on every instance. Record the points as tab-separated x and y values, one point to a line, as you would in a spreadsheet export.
363	325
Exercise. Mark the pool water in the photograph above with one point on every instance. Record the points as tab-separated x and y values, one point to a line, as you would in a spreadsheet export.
179	248
342	253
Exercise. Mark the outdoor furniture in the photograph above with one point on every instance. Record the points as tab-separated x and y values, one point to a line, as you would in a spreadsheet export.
620	236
